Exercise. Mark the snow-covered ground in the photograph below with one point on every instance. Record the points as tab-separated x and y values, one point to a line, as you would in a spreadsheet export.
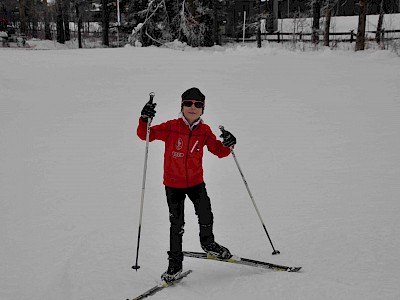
318	141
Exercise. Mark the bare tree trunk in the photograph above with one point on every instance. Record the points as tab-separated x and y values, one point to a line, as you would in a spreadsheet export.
60	22
67	32
47	32
79	17
32	17
379	26
22	15
215	23
258	10
105	23
316	7
360	40
328	15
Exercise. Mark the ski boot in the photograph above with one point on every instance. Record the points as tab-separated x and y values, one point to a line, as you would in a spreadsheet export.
217	250
173	271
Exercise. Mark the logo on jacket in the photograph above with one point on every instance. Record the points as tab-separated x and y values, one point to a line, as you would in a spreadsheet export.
177	154
179	144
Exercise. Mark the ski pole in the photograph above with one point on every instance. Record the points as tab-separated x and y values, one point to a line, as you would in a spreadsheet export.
146	155
251	196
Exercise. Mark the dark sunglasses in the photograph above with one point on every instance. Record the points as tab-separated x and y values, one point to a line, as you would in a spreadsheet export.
189	103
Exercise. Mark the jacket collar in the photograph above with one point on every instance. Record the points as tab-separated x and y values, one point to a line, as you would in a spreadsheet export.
194	124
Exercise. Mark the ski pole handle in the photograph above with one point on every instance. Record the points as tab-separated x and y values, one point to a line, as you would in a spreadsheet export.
152	94
223	132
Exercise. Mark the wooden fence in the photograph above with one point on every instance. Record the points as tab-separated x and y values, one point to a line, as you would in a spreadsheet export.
306	37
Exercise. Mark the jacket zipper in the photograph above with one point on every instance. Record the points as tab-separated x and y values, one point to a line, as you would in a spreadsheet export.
186	161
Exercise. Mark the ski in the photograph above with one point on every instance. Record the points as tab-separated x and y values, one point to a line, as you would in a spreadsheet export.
162	286
242	261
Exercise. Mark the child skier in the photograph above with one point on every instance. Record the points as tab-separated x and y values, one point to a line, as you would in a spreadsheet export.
183	172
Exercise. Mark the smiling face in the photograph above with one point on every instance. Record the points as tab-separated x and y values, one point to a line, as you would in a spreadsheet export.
192	113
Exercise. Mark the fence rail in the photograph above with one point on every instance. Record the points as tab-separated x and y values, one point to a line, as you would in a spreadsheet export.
306	37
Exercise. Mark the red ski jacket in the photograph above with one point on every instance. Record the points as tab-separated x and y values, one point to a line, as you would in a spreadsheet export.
183	156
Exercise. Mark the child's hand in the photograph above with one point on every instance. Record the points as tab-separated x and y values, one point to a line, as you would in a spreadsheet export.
148	111
228	138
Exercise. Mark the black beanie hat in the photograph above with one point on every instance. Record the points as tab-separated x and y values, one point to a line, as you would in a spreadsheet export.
193	94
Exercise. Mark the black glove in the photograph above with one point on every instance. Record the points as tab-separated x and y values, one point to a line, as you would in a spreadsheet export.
148	111
228	138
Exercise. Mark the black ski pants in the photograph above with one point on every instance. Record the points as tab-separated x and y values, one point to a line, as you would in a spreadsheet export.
176	204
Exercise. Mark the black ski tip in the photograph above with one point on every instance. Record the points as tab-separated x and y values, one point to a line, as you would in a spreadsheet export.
276	252
294	269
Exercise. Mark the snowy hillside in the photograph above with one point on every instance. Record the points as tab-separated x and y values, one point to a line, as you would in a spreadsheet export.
318	141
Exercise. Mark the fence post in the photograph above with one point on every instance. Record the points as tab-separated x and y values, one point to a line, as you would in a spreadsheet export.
351	36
